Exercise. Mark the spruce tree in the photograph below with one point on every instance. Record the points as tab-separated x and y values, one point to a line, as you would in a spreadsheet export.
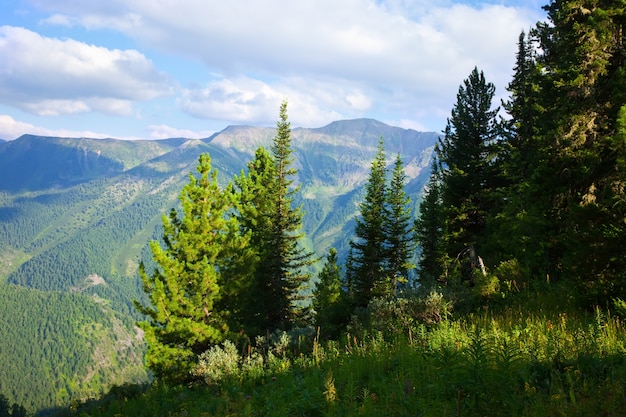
466	153
281	270
517	227
255	197
429	230
201	244
398	228
329	299
583	87
368	269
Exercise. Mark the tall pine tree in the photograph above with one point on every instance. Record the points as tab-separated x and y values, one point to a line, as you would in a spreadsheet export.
256	205
329	298
466	154
429	229
202	245
398	228
281	272
367	267
582	89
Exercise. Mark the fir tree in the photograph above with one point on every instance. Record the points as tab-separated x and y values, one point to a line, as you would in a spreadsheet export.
583	87
281	269
398	228
466	154
429	229
516	228
201	243
368	269
329	300
255	197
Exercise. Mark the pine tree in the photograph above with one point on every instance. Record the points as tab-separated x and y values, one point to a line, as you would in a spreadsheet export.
329	300
201	243
466	153
255	197
368	269
281	271
583	87
516	228
429	230
398	228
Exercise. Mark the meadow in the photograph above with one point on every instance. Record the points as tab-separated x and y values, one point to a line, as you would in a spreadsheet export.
528	358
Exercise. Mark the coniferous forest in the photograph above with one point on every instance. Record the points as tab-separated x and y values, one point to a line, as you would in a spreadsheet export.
503	294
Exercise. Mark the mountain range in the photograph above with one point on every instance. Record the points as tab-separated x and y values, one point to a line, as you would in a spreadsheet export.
76	215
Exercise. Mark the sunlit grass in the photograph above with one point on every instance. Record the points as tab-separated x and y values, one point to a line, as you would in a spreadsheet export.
509	363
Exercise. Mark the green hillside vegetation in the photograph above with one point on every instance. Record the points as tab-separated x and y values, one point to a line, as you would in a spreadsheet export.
57	347
88	210
512	305
413	360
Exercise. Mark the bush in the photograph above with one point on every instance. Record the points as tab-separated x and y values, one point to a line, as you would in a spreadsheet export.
401	315
218	363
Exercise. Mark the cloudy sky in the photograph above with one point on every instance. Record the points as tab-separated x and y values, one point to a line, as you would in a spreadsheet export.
153	69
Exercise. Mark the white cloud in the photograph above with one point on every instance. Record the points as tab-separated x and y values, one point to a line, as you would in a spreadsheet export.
165	131
12	129
47	76
247	100
396	59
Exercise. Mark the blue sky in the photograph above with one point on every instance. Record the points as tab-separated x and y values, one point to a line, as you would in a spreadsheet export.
147	69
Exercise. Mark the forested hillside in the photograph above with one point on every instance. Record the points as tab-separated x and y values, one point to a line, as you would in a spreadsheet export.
59	346
76	216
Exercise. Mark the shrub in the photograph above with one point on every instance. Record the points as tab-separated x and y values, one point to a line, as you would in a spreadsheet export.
218	363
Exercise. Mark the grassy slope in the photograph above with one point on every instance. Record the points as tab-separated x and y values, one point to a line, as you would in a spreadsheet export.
512	362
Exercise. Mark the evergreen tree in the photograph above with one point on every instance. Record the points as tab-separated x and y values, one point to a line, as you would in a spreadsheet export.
281	269
429	229
368	269
201	244
466	153
514	225
582	89
329	300
255	196
398	228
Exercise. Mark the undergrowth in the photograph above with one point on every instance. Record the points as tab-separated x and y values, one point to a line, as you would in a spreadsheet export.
505	363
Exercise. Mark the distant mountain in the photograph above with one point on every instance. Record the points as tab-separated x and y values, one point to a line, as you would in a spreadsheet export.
76	216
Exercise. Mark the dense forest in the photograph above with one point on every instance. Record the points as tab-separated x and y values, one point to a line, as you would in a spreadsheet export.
506	296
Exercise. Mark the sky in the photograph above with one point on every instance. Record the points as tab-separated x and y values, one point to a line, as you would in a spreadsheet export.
152	69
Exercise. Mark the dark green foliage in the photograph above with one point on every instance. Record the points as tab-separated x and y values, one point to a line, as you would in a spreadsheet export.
201	244
398	228
380	255
563	156
13	410
255	191
289	260
57	346
429	229
466	154
274	299
330	298
367	266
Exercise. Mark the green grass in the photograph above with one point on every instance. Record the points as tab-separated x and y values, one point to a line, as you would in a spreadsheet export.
509	363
